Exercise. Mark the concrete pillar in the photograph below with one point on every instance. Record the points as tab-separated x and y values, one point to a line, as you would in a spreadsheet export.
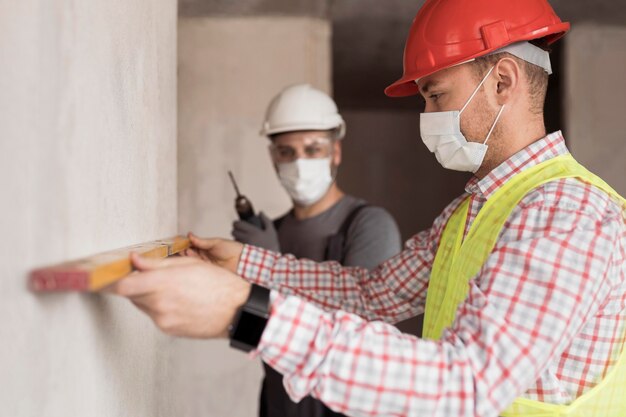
87	163
596	100
229	68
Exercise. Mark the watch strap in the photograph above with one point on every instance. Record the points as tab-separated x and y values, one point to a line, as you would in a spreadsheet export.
250	320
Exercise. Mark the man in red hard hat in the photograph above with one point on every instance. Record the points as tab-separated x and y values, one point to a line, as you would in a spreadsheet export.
522	278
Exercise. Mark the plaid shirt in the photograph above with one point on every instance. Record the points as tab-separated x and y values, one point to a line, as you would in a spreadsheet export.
544	317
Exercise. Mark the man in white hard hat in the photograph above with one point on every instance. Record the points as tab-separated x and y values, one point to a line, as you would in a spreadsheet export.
306	130
522	278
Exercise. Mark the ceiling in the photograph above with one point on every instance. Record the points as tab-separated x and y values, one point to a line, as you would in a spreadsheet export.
369	36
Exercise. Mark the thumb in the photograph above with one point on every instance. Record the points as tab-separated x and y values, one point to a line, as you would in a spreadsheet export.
267	222
206	244
142	263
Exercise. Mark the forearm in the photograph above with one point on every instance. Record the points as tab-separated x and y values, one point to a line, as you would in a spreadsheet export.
392	292
363	368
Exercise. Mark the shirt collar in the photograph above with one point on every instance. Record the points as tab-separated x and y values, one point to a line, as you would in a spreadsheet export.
542	150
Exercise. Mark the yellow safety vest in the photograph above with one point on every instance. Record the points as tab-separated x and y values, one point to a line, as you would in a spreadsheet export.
457	261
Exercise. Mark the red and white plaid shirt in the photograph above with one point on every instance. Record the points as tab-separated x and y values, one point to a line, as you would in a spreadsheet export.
544	318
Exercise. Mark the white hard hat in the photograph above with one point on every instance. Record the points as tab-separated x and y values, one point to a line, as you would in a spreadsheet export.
302	107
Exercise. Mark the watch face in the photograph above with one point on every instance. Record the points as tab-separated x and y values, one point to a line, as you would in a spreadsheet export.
249	329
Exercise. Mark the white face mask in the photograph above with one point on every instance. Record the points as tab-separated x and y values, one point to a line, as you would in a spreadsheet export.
306	180
441	133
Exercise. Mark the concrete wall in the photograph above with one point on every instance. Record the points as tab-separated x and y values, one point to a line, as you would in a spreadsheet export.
596	100
229	69
87	163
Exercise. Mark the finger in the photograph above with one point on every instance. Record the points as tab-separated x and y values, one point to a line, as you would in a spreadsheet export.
148	302
137	285
112	288
200	243
191	253
244	226
196	254
267	222
141	306
241	236
147	264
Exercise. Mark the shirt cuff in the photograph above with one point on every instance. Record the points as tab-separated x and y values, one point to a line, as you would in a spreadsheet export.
273	296
255	265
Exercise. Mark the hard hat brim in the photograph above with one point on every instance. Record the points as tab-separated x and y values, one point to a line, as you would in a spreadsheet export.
305	127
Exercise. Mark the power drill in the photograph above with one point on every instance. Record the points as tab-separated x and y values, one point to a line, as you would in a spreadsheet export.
244	207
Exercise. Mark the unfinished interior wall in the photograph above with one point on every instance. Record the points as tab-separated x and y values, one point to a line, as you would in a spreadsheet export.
596	100
229	69
87	163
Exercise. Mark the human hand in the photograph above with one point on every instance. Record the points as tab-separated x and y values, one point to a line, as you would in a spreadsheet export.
266	238
222	252
184	296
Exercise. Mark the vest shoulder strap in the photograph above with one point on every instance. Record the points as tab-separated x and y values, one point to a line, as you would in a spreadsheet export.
336	246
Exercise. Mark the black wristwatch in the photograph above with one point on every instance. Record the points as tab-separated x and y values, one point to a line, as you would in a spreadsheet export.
249	323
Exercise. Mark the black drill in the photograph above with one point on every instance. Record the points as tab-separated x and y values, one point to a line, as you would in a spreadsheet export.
244	207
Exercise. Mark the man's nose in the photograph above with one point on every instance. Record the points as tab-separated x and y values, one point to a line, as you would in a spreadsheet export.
429	107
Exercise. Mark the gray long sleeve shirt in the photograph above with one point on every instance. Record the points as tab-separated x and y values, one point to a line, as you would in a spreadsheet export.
372	237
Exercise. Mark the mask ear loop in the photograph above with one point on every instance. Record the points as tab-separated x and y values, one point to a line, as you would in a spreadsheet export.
476	90
494	124
333	175
474	94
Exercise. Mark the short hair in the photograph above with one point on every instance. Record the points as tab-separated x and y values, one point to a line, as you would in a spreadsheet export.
537	77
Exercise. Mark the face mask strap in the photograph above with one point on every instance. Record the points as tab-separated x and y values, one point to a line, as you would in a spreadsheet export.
333	175
493	126
477	88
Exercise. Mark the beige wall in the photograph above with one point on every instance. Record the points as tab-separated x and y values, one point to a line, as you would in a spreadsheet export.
87	163
229	68
596	100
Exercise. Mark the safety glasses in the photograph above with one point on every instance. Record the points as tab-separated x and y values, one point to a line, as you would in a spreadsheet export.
311	148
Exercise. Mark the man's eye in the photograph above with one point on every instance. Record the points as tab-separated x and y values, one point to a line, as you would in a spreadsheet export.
434	97
313	151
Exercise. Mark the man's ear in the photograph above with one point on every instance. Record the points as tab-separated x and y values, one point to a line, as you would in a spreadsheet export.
508	74
337	152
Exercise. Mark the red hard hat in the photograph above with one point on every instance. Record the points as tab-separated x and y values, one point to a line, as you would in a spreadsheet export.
449	32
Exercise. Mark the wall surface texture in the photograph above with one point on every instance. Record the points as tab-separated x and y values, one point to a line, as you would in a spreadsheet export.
87	164
229	69
596	100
